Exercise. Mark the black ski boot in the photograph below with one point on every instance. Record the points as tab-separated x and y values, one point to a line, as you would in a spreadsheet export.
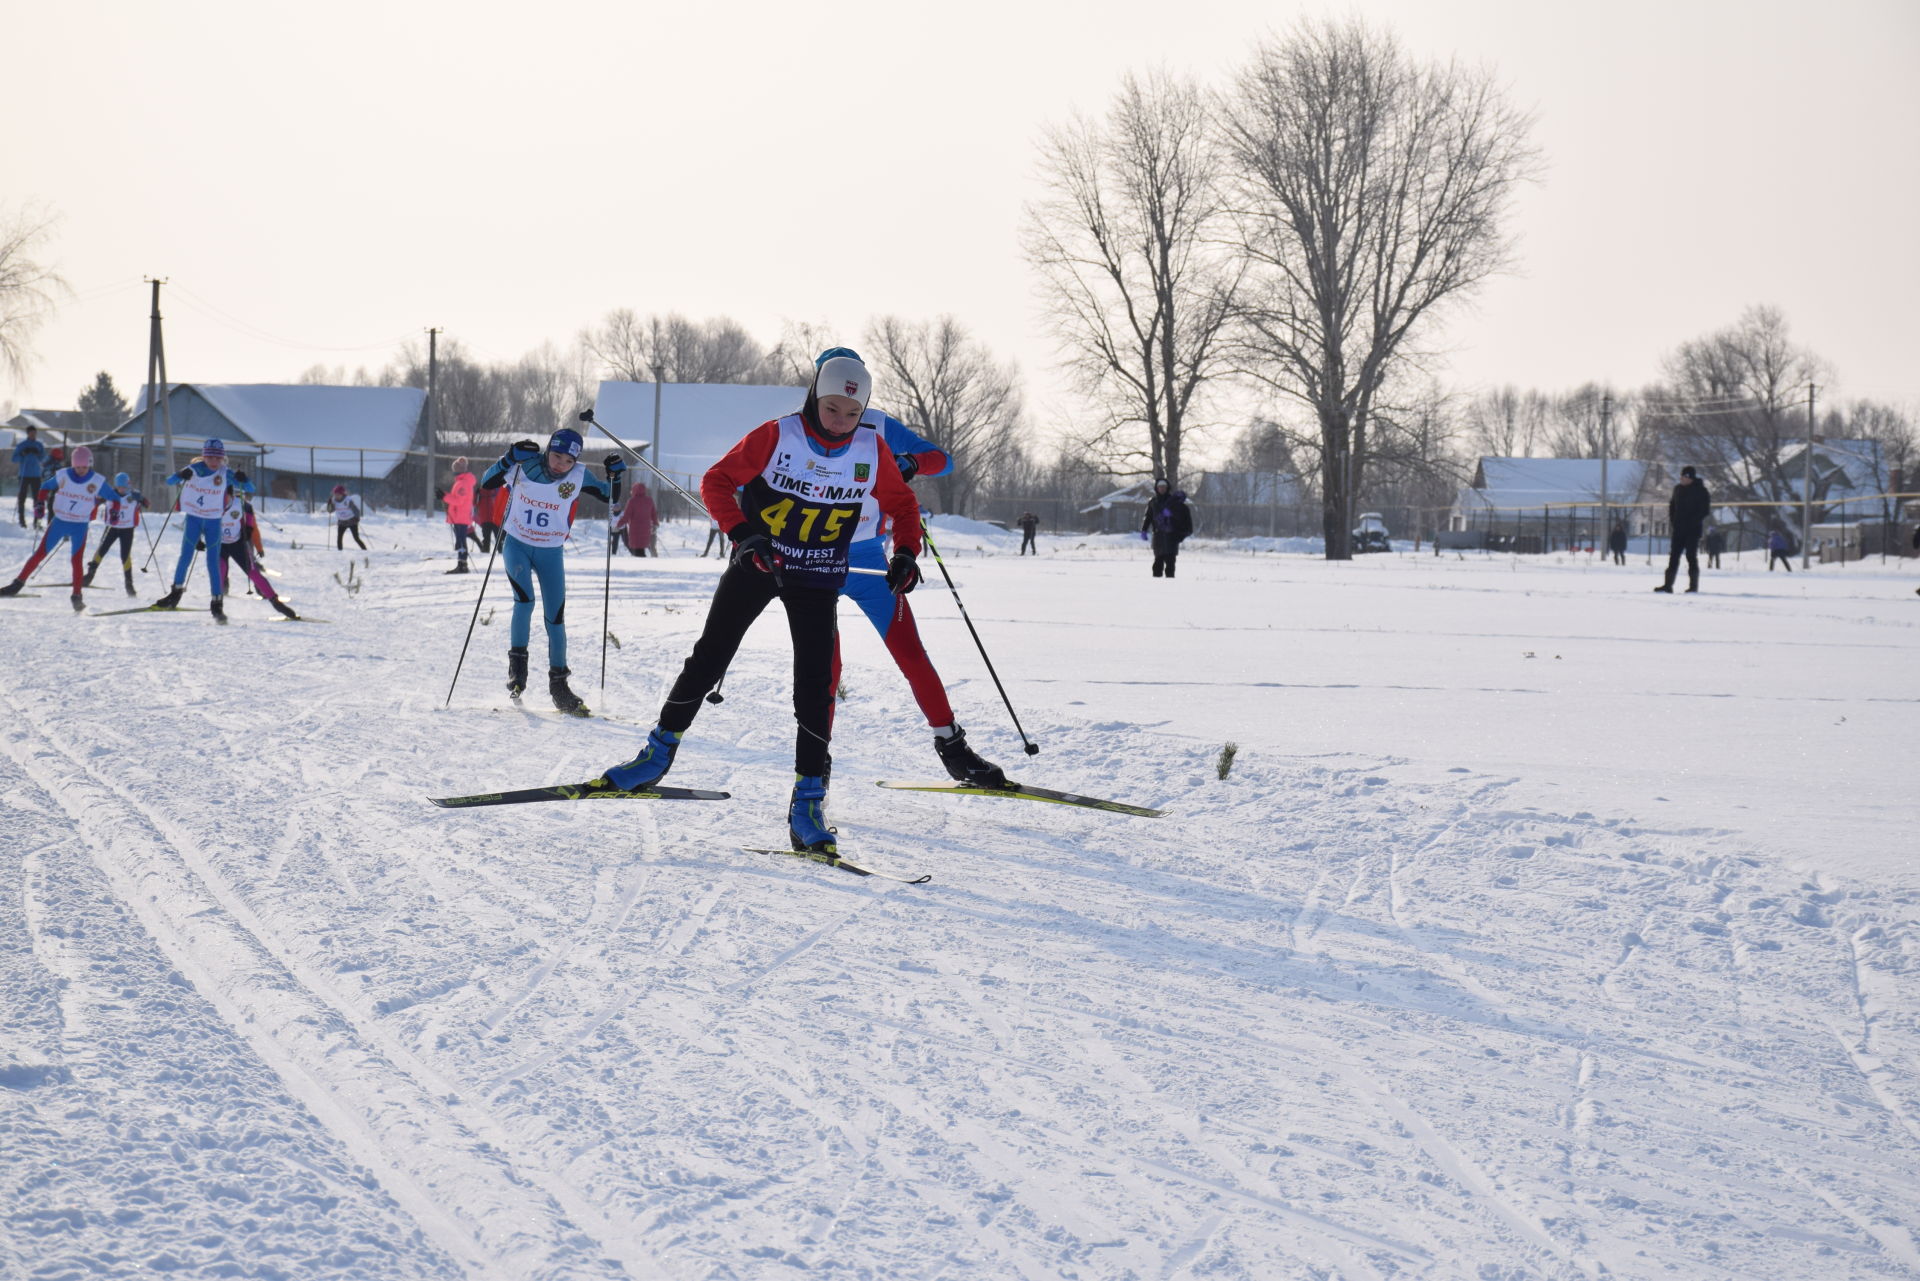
286	610
461	568
130	589
217	607
516	672
92	569
79	603
171	600
964	764
563	697
13	588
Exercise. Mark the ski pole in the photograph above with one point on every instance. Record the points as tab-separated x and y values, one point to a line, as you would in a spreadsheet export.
1033	748
606	599
470	622
586	416
154	544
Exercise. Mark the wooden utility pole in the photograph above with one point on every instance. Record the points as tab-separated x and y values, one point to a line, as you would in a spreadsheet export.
1606	447
433	426
157	398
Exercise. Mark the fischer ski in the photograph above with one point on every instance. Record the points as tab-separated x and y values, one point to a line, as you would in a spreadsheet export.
834	860
145	609
1024	792
592	790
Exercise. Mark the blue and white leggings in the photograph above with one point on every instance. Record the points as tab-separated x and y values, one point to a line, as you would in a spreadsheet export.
524	564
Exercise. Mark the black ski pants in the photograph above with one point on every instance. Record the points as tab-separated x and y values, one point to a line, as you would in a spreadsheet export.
1027	544
342	529
122	535
29	489
812	619
1687	542
1780	558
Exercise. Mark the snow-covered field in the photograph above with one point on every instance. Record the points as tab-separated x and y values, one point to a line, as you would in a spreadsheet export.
1543	927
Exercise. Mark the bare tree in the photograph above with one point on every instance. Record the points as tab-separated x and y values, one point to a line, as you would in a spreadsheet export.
937	379
1506	422
1137	286
1371	190
677	350
790	362
1590	421
29	289
1735	402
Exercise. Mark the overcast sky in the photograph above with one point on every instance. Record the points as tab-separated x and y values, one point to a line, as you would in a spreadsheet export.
320	181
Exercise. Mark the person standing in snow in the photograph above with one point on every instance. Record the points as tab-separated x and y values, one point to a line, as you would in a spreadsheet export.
812	482
458	500
70	494
1617	544
122	517
1714	543
638	522
1167	523
1029	523
889	611
30	458
203	501
240	539
1687	513
489	510
1779	551
346	518
544	488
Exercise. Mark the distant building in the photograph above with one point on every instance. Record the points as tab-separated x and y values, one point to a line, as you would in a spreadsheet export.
699	422
298	439
1540	503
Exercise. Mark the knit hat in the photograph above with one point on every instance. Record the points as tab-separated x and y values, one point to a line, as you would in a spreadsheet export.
121	480
82	457
842	376
1688	471
214	448
565	441
339	491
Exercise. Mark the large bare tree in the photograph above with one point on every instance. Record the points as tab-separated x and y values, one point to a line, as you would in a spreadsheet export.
1138	284
1371	189
29	288
934	377
1735	401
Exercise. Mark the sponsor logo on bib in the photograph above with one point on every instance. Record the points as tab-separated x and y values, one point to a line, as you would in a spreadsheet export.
860	471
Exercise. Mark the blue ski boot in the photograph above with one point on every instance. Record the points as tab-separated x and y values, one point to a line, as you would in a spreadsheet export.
650	766
807	818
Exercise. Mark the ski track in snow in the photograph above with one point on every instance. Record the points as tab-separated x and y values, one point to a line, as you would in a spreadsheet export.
1341	1014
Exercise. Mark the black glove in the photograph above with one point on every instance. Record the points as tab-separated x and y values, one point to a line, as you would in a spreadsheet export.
903	573
909	466
615	464
185	473
521	450
439	495
756	551
240	476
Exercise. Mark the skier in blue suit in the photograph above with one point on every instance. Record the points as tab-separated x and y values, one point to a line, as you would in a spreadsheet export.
889	612
544	489
203	501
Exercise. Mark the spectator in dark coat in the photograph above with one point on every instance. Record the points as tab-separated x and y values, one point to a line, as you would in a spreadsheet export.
1028	523
1715	542
1687	513
1167	524
1617	544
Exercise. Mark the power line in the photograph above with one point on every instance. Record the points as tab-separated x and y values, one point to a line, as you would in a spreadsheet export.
219	315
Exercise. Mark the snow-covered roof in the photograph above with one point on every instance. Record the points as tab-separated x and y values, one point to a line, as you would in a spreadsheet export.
1138	492
319	426
1537	482
699	422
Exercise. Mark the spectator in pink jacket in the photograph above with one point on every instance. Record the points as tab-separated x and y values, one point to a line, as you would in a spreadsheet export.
458	499
637	521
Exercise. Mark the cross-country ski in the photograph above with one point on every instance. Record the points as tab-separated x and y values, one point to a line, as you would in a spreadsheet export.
1023	792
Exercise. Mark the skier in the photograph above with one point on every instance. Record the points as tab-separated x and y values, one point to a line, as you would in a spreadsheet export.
1168	522
458	500
1028	523
203	499
70	494
1687	514
240	539
545	489
813	480
30	457
890	613
346	519
123	516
